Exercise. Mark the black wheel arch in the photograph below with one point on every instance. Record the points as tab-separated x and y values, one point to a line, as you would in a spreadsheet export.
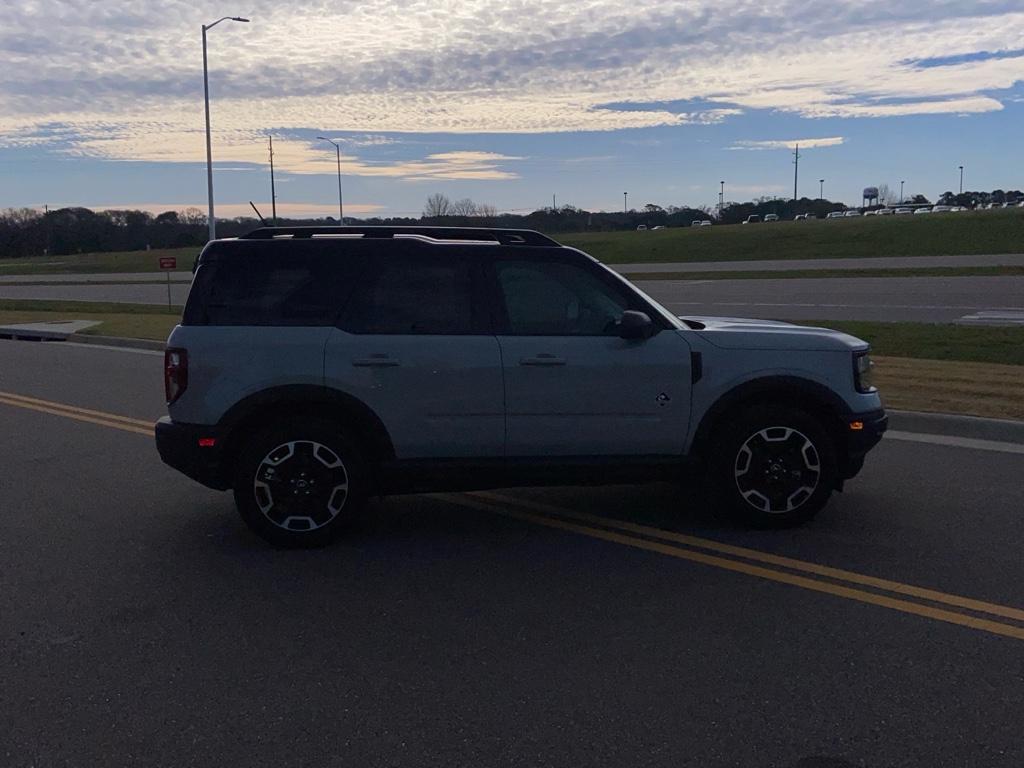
792	391
302	401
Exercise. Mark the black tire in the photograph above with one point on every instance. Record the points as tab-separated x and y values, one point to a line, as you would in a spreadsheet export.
299	484
772	466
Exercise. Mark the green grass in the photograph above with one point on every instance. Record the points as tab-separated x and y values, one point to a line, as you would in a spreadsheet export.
935	341
933	235
136	321
833	273
124	261
964	233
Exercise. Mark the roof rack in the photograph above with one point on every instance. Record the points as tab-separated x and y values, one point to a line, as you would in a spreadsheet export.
500	236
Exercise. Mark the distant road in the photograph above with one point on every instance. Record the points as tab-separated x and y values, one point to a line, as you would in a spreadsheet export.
784	265
895	299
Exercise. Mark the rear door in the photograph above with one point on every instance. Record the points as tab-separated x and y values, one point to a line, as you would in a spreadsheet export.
415	345
573	386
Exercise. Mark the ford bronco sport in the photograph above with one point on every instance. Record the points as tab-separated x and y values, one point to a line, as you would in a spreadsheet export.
315	367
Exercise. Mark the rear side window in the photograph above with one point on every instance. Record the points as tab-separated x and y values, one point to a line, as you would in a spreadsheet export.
416	295
262	287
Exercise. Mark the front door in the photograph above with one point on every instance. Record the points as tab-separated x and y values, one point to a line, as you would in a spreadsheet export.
573	387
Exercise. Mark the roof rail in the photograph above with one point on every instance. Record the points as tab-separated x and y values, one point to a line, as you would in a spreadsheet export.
501	236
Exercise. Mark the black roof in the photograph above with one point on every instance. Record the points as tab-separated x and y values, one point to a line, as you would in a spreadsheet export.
478	234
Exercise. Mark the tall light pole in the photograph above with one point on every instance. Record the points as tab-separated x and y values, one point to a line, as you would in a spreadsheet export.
821	189
796	169
961	179
901	192
721	199
625	205
337	154
206	99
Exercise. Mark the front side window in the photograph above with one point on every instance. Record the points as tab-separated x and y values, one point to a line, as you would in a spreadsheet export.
415	296
558	299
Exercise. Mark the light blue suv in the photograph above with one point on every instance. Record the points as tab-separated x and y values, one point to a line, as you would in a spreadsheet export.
314	367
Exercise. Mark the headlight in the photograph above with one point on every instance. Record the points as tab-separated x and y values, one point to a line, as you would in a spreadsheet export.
862	366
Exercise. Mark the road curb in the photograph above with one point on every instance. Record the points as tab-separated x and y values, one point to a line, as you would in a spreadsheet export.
117	341
956	425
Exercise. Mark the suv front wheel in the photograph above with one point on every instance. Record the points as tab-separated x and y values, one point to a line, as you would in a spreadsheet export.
773	466
298	484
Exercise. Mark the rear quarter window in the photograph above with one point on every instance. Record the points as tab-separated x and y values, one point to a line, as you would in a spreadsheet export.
272	284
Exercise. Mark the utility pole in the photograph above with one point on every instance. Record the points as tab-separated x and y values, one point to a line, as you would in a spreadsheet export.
901	192
554	204
273	194
721	199
796	169
625	205
821	189
961	179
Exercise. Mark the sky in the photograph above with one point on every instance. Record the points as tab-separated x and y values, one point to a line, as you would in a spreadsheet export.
512	103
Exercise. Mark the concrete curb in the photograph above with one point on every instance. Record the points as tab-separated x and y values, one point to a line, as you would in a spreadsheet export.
117	341
1001	430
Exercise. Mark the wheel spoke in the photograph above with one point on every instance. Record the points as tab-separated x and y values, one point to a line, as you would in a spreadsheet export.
777	469
301	485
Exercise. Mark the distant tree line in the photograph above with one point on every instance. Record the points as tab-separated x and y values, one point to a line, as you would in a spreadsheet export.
29	232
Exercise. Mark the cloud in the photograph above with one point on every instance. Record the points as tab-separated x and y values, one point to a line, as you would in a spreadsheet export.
120	81
832	141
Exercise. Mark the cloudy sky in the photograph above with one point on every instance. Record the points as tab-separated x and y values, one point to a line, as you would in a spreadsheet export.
505	101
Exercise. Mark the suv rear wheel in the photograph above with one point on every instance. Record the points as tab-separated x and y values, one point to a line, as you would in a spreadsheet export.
298	484
773	466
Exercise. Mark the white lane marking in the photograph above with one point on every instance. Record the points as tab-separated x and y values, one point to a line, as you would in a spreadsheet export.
834	306
956	442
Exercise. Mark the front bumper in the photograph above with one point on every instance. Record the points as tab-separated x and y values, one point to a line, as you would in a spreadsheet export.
179	447
859	441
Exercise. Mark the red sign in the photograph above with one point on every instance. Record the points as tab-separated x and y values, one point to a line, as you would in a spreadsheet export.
168	262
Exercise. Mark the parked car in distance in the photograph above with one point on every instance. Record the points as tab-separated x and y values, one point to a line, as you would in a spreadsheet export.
642	228
317	367
706	223
903	211
883	212
851	214
695	223
752	219
943	209
919	211
771	217
660	226
835	215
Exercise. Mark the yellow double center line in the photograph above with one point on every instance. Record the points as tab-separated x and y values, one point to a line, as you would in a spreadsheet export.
906	598
752	562
138	426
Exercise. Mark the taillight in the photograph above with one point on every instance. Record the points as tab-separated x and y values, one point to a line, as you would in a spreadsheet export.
175	373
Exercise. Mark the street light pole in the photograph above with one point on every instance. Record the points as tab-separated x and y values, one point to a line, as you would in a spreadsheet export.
961	179
625	205
341	204
206	100
901	193
721	199
821	189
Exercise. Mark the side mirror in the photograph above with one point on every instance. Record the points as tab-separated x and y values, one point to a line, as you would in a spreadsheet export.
635	325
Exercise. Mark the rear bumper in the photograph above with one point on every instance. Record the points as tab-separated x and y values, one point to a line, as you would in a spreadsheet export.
860	441
178	445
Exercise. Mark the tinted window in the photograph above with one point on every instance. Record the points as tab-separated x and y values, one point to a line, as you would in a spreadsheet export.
264	287
410	295
558	299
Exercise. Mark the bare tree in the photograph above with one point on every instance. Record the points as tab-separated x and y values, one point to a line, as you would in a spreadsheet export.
192	216
437	205
464	207
885	195
487	211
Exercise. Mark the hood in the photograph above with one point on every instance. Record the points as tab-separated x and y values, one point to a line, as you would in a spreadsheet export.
744	333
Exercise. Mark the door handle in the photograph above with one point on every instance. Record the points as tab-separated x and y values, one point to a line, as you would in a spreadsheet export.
543	359
375	361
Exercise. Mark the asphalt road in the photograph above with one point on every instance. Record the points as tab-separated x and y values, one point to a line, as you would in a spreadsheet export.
922	299
141	624
783	265
897	299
